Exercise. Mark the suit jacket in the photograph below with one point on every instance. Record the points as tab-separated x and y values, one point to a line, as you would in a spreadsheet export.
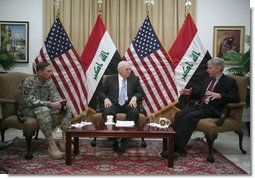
226	86
110	89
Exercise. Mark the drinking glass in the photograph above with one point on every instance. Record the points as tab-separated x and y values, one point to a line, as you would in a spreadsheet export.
152	119
84	116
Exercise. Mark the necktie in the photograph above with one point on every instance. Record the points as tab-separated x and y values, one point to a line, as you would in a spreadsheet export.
123	90
210	88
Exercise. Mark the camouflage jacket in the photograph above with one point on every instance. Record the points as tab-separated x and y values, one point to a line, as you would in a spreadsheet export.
35	93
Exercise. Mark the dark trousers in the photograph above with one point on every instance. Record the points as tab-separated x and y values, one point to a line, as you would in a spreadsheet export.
186	121
132	114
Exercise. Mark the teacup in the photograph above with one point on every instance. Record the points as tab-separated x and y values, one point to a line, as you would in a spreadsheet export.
109	119
164	122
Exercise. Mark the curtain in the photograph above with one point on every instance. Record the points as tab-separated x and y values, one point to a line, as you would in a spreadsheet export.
122	19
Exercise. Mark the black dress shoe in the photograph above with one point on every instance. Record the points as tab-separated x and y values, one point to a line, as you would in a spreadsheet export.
6	144
116	147
164	154
176	154
123	146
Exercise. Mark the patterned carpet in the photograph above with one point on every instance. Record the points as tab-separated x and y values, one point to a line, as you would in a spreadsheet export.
102	160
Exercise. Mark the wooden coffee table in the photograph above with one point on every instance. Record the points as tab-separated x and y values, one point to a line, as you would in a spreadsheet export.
140	130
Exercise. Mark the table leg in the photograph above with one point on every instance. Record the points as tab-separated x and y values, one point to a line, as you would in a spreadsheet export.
76	145
68	149
164	144
170	151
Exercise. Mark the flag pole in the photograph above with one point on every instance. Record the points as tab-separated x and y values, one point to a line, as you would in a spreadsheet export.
148	3
188	5
100	4
57	6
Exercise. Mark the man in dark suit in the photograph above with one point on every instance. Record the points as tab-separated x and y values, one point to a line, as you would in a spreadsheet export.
214	94
121	93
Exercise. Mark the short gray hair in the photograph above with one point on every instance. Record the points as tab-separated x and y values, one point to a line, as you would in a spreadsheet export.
121	64
217	63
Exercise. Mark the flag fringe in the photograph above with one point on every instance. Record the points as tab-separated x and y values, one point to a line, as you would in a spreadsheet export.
172	105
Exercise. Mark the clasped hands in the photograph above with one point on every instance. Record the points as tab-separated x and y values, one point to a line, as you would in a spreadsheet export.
58	104
132	103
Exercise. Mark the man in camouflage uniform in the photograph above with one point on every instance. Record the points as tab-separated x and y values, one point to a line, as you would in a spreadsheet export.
41	99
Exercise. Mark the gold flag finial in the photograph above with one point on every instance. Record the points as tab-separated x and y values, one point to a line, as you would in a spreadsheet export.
188	5
57	7
100	4
148	3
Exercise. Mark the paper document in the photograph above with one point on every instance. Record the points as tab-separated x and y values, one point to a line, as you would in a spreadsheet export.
80	125
125	124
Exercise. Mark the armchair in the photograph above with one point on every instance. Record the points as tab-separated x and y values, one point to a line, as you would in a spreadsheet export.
9	94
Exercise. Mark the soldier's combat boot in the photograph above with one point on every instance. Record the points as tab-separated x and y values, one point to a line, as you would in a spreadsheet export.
53	150
62	144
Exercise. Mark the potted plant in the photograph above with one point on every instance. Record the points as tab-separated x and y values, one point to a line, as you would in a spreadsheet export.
7	60
240	65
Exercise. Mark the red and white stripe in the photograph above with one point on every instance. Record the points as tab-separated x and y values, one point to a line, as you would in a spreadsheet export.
156	76
69	78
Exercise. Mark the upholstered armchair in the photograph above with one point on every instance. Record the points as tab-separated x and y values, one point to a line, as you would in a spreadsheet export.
9	84
97	116
230	120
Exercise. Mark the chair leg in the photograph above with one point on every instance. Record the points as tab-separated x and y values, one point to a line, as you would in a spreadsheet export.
2	133
3	169
240	134
143	143
36	135
93	143
28	135
210	140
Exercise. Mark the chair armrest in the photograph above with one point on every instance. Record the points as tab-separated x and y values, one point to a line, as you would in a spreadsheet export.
20	116
236	105
225	111
10	101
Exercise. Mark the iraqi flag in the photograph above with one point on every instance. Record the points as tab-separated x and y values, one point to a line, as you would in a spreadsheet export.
189	58
100	57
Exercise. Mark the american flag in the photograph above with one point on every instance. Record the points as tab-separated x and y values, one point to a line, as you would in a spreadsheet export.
68	73
152	64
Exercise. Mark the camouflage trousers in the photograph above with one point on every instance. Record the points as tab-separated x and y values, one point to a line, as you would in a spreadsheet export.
45	119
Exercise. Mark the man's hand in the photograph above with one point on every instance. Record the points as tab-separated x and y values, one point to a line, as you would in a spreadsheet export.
133	102
185	91
58	104
107	103
213	95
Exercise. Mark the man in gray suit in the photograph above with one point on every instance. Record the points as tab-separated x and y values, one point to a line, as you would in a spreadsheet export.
121	93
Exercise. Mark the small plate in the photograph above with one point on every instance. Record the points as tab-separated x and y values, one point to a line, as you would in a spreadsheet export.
109	123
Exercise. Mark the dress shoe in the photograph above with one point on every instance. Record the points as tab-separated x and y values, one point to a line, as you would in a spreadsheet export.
121	150
179	154
176	154
6	144
116	146
122	146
